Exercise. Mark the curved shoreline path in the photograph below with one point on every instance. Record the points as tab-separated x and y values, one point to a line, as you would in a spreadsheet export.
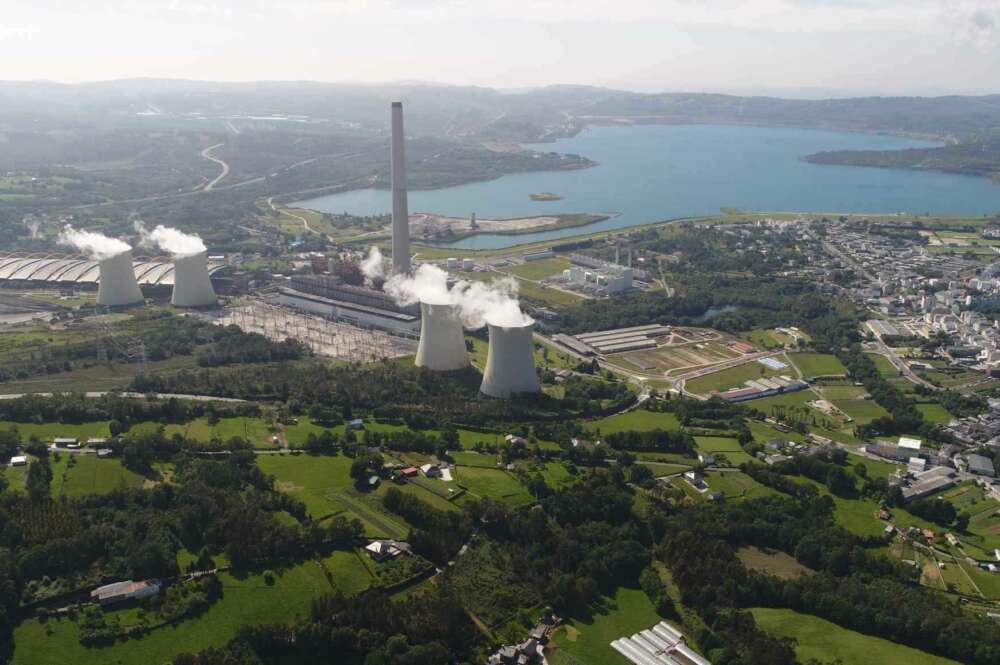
207	154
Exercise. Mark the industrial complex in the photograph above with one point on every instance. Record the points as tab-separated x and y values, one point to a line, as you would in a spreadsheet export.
117	279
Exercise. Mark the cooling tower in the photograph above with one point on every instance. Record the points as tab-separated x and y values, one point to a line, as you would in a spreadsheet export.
510	364
400	210
116	285
192	287
442	345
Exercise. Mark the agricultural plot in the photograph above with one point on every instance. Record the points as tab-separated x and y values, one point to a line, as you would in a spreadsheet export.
862	411
91	475
588	640
255	430
934	413
723	446
818	364
245	601
536	270
882	364
772	562
324	485
736	485
494	483
639	420
48	431
733	377
347	571
816	638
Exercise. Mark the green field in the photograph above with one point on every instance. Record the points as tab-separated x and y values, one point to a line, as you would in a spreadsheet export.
248	600
588	641
817	364
734	377
494	483
737	485
825	641
717	444
48	431
883	365
861	410
934	413
348	571
639	420
91	475
540	269
255	430
324	485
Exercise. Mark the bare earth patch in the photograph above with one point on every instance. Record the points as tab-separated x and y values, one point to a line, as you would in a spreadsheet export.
772	562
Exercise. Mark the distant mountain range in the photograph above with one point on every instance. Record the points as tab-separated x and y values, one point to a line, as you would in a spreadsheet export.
465	112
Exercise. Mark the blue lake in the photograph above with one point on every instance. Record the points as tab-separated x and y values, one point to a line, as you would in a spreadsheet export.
656	172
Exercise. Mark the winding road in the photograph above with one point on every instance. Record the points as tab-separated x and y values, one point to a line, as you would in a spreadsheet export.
207	154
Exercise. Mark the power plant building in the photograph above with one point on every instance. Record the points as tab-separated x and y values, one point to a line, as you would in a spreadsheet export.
192	285
510	362
117	285
60	271
442	344
326	296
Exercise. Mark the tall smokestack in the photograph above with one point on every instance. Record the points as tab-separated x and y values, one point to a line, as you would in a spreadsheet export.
442	345
510	363
400	212
192	286
117	285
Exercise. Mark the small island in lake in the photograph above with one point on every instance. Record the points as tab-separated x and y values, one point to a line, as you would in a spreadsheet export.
545	196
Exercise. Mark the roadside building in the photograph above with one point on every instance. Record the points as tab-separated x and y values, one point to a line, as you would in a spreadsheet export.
980	465
19	460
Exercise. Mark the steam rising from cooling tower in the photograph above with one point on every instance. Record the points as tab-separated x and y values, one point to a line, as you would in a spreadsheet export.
510	365
477	302
173	241
117	284
400	210
192	285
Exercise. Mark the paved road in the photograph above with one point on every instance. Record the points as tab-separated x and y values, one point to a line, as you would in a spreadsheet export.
901	367
207	154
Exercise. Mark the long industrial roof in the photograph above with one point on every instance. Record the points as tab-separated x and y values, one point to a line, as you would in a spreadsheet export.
76	269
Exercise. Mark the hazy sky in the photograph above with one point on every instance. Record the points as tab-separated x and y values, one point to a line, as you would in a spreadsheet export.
769	46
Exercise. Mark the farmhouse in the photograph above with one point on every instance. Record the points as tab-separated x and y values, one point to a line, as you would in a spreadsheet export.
382	550
117	592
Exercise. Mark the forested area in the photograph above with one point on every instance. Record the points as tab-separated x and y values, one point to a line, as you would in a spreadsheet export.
390	390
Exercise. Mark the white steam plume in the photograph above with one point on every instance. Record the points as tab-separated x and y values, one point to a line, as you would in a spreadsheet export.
95	245
478	302
174	242
373	267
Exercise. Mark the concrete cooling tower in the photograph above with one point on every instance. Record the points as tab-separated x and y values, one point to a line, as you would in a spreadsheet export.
117	285
442	345
192	286
510	364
